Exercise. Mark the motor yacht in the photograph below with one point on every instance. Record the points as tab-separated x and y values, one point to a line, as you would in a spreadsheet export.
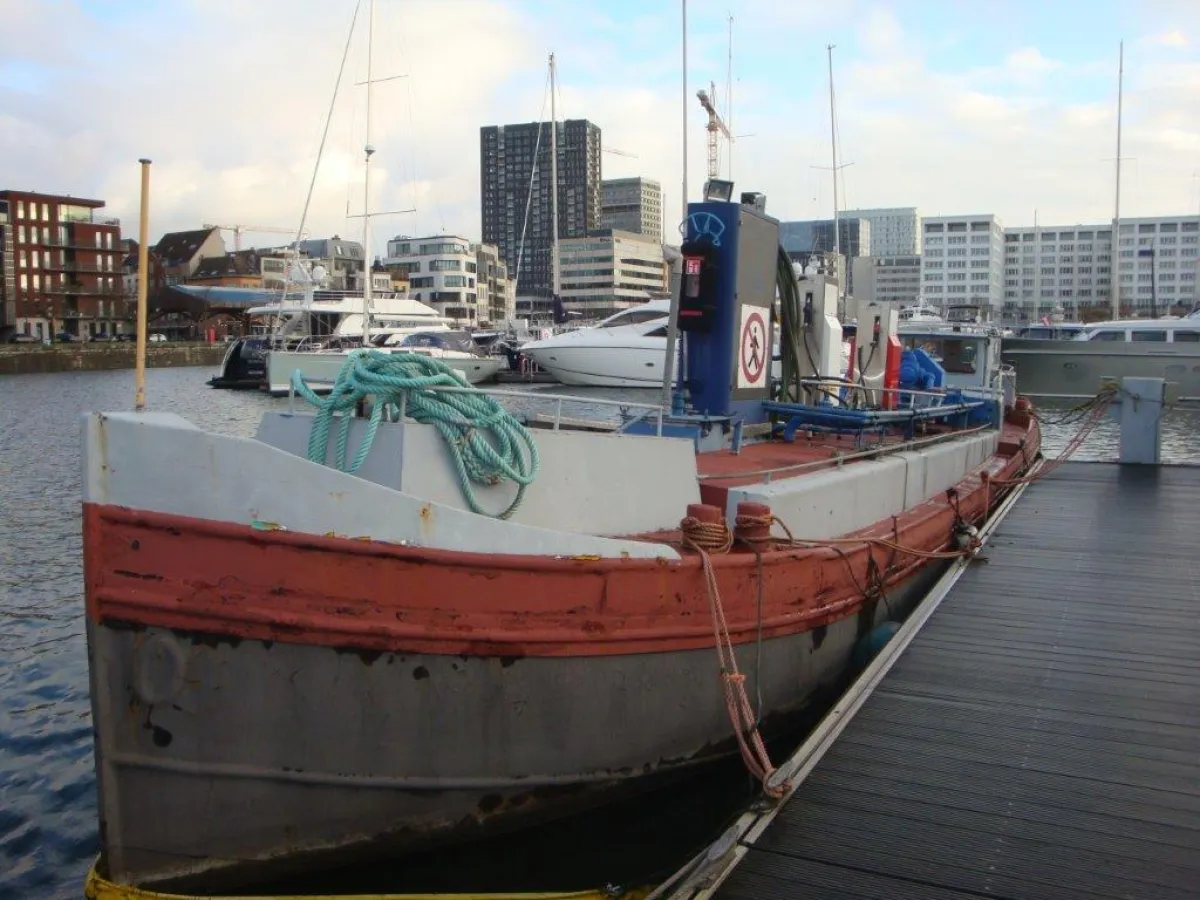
625	350
1074	368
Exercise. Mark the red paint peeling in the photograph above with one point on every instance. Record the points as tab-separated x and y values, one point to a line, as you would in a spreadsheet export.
229	579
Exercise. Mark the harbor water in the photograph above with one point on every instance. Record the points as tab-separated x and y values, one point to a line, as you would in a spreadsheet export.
47	795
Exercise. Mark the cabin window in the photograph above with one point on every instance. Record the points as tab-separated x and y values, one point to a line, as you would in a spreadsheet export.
1108	335
1159	337
1187	337
956	355
657	332
635	317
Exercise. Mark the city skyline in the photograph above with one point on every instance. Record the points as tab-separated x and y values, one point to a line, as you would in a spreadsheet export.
1008	113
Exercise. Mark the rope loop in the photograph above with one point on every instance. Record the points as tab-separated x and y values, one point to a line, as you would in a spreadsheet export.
487	445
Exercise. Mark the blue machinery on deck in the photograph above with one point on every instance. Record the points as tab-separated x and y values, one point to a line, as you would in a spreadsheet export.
727	328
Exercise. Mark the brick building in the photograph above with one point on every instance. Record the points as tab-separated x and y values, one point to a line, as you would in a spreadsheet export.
61	268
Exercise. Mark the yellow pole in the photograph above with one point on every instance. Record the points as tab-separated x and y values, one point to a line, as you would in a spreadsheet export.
143	279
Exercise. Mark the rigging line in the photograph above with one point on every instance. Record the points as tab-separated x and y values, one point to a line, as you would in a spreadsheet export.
537	146
414	156
328	118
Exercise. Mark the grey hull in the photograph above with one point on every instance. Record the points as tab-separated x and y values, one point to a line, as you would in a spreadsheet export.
231	759
1073	370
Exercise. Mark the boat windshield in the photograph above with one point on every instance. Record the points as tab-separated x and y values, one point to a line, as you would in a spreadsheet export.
632	317
958	356
439	340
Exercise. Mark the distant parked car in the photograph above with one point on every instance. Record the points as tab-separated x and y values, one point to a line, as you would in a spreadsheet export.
156	337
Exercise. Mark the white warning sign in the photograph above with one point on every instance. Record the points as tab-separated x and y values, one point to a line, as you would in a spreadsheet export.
753	352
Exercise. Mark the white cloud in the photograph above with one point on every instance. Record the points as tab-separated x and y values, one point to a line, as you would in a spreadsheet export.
1171	38
231	102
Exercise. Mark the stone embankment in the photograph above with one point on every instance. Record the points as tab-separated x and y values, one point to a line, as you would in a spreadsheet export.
23	360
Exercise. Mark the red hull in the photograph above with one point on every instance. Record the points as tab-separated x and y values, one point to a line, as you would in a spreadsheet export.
231	580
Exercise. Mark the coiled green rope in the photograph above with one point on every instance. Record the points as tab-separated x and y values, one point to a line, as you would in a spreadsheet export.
485	441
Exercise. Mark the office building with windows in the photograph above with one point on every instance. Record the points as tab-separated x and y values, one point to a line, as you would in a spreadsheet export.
812	241
888	279
962	263
633	205
895	232
514	157
610	270
1073	267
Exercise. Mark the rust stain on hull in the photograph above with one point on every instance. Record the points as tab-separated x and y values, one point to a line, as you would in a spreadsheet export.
227	579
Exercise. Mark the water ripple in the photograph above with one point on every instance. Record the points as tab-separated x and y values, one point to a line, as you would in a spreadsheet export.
47	789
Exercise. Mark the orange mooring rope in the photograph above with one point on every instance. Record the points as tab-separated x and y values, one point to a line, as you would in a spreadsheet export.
1093	414
704	537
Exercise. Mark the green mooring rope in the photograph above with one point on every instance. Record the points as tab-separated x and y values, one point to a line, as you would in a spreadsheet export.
485	441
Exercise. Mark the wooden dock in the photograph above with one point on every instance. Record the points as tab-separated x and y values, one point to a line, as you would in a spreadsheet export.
1038	738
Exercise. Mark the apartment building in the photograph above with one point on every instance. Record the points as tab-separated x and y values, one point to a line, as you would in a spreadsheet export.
962	262
633	205
895	231
62	267
515	196
610	270
494	295
442	273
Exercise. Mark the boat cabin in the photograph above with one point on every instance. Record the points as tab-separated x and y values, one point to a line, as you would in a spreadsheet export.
970	356
1159	331
1060	331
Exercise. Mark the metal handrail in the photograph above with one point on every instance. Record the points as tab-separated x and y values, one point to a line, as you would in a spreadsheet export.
560	399
843	383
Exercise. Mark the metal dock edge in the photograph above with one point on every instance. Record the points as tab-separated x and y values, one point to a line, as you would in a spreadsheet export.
1039	738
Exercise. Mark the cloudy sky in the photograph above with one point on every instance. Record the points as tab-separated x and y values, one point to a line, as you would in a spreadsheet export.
954	106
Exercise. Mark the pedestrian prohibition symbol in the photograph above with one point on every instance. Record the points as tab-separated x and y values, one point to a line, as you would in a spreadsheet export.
754	348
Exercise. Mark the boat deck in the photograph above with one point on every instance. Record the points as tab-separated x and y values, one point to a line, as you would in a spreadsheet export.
811	451
1040	736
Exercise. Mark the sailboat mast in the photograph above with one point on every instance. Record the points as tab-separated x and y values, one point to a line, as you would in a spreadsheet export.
1115	293
368	151
837	242
683	193
553	186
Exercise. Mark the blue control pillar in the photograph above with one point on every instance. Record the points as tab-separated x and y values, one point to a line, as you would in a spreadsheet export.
726	295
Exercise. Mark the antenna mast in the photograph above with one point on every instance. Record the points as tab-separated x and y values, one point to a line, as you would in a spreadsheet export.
837	242
553	186
1114	269
368	151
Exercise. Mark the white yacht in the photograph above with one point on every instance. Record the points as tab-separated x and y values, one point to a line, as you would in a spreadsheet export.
919	313
1073	369
625	350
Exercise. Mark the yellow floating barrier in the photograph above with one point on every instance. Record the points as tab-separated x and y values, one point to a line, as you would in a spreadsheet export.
97	887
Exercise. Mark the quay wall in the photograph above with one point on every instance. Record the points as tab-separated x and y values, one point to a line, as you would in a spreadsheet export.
95	358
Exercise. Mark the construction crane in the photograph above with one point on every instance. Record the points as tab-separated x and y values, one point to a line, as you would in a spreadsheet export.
715	124
239	230
620	153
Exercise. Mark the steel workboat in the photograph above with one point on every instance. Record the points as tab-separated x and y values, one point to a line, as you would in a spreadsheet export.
320	643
